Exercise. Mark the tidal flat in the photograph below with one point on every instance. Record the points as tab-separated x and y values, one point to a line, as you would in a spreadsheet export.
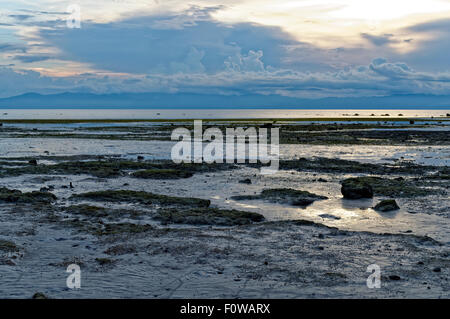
105	195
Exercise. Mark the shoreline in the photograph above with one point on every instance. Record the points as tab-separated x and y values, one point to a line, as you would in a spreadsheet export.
231	120
147	227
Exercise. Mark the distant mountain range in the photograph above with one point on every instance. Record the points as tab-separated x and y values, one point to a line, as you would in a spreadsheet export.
210	101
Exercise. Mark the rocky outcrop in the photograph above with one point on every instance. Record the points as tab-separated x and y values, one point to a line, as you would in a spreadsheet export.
355	188
386	205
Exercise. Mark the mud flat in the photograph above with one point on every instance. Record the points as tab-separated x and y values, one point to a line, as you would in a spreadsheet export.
144	227
290	259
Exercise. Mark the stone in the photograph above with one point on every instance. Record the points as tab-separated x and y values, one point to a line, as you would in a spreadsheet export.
387	205
353	188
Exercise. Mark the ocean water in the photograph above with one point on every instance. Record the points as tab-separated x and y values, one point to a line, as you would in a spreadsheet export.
206	114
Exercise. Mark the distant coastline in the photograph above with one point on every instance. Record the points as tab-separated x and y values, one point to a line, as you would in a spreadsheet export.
216	101
160	115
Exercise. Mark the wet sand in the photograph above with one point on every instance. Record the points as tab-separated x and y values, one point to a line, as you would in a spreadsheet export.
155	247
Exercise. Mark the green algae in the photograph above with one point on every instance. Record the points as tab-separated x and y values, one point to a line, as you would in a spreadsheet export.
140	197
114	168
284	196
8	246
396	187
16	196
123	228
162	174
208	216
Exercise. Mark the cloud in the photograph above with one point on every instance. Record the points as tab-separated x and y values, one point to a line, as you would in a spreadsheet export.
20	17
190	51
9	47
431	46
32	58
18	82
248	63
245	75
192	63
400	70
155	44
378	40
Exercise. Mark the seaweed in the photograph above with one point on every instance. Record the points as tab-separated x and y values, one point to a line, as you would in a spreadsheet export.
16	196
208	216
162	174
284	195
141	197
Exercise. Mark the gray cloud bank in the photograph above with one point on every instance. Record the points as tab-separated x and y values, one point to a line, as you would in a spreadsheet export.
193	54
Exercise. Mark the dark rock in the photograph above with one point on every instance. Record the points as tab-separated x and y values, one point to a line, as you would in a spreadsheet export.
120	250
394	277
104	261
16	196
123	228
140	158
437	269
355	188
396	187
329	216
121	196
39	295
157	173
8	246
208	216
245	181
387	205
32	162
302	201
284	196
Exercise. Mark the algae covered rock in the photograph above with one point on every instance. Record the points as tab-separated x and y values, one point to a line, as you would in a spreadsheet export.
15	196
162	174
39	295
368	186
87	210
208	216
387	205
8	246
123	228
284	196
118	196
356	188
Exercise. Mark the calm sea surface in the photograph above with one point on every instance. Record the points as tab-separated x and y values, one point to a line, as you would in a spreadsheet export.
204	114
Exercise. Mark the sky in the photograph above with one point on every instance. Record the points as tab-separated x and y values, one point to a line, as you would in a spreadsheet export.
303	48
